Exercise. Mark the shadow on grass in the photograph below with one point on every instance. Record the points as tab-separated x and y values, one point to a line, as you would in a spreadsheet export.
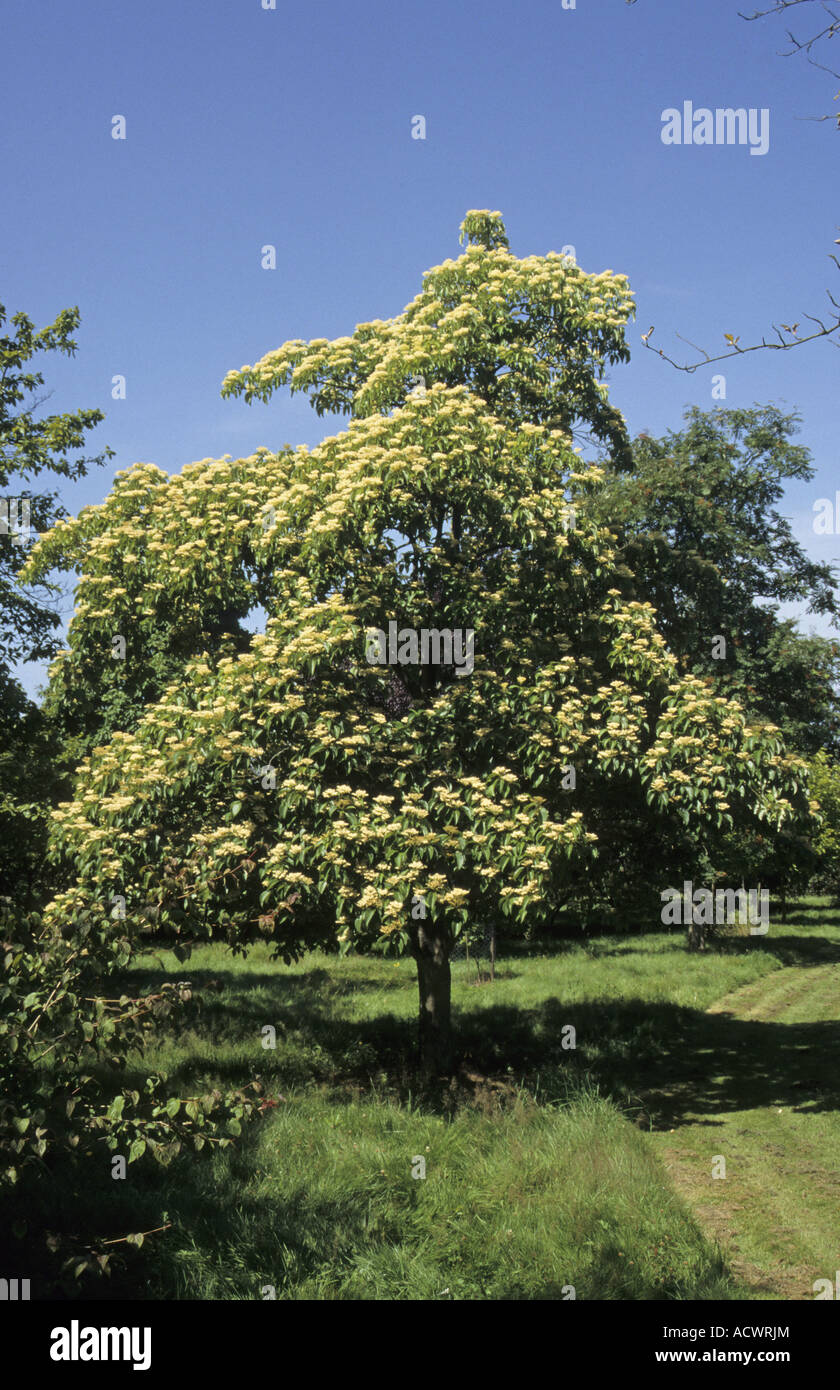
227	1242
660	1062
665	1063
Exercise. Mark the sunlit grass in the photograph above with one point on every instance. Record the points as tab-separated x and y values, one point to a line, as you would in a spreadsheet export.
542	1161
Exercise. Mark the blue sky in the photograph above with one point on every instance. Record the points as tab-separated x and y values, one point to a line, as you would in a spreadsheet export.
292	127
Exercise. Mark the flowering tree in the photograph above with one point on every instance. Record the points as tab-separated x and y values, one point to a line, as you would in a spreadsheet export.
451	693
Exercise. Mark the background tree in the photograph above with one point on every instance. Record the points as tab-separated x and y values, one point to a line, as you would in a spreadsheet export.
29	448
302	790
698	526
825	788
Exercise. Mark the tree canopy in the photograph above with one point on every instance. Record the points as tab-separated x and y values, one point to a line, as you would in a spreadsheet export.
300	789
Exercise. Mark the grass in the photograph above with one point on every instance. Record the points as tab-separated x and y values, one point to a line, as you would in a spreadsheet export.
518	1206
776	1124
548	1168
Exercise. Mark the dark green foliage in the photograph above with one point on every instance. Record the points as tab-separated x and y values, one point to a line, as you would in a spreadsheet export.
30	780
703	539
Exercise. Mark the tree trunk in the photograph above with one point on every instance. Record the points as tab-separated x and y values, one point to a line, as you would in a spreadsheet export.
696	936
696	932
492	953
430	948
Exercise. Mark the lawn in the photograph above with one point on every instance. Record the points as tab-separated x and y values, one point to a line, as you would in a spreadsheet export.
550	1171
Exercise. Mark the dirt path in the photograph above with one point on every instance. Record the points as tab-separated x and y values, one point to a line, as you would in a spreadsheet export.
761	1097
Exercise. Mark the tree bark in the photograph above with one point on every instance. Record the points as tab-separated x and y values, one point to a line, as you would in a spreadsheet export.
430	948
696	932
696	936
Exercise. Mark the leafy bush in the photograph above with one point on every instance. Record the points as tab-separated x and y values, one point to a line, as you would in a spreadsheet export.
63	1046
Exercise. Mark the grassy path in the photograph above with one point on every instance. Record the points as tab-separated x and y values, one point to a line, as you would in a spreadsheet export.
776	1213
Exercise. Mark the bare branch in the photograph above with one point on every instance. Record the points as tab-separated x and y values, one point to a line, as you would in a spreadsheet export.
823	331
805	45
787	336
